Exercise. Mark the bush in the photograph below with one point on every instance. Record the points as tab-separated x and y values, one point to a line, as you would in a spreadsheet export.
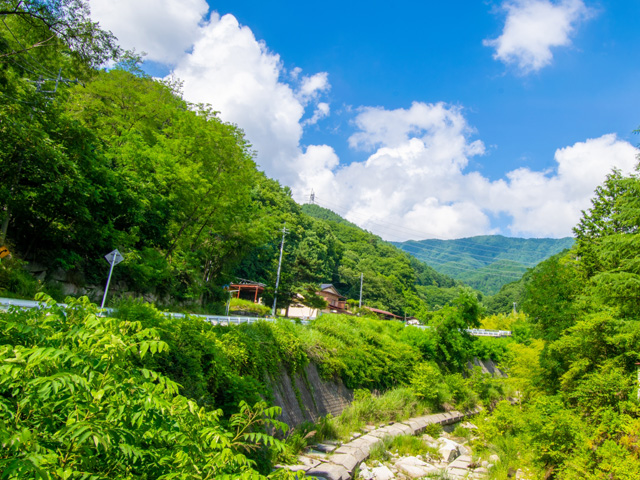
428	384
75	398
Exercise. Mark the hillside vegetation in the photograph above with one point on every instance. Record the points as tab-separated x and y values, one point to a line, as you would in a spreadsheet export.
145	396
120	160
579	415
486	262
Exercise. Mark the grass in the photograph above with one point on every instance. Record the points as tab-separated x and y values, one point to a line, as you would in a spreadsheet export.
368	409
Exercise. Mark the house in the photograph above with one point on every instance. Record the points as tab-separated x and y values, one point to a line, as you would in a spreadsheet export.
336	303
298	310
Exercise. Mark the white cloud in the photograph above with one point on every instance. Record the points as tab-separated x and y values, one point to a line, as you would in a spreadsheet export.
242	79
414	185
550	203
312	86
414	182
411	180
322	111
164	29
532	28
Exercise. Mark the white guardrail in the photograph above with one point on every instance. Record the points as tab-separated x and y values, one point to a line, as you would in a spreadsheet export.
225	320
478	332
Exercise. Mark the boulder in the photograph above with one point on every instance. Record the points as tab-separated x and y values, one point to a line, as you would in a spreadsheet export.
382	473
414	467
449	450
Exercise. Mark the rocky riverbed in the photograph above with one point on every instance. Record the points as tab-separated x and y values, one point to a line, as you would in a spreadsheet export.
370	455
445	457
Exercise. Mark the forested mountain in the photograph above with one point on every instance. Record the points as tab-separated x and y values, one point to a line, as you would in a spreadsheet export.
485	262
120	160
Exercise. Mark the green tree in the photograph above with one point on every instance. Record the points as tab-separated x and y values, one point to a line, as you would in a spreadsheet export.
74	403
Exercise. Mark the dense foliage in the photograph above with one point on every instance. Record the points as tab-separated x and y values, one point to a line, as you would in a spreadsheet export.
76	401
576	371
143	395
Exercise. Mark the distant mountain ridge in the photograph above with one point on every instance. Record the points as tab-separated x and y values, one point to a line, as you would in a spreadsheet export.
485	262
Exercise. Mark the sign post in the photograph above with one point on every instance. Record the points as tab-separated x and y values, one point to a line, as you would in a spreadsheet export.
113	258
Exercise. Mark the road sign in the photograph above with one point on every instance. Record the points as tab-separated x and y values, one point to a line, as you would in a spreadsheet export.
4	252
114	257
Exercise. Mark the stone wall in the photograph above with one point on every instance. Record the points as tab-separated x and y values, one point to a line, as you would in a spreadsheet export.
318	397
315	397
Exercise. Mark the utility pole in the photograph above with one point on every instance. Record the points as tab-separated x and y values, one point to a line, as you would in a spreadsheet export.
361	280
275	293
514	308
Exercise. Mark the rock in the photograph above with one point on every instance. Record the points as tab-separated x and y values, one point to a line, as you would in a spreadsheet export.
365	473
415	461
449	450
494	458
382	473
413	467
520	474
469	426
428	438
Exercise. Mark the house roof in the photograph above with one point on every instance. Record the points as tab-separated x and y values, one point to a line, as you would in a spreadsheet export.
244	281
381	312
328	287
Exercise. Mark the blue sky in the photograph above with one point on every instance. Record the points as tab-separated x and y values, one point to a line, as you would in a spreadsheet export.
413	119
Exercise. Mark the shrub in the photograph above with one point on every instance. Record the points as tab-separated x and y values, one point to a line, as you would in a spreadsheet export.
428	384
75	398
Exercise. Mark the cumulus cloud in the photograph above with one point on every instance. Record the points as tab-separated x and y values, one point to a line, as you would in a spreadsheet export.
241	78
164	29
415	184
411	177
322	111
532	28
415	181
550	203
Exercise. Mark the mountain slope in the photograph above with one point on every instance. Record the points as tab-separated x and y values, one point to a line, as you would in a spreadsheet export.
485	262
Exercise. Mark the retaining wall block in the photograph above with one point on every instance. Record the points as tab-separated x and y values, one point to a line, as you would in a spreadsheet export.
347	460
329	471
379	433
415	426
404	428
360	454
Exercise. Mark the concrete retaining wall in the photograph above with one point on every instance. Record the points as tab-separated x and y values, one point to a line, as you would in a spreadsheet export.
317	397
